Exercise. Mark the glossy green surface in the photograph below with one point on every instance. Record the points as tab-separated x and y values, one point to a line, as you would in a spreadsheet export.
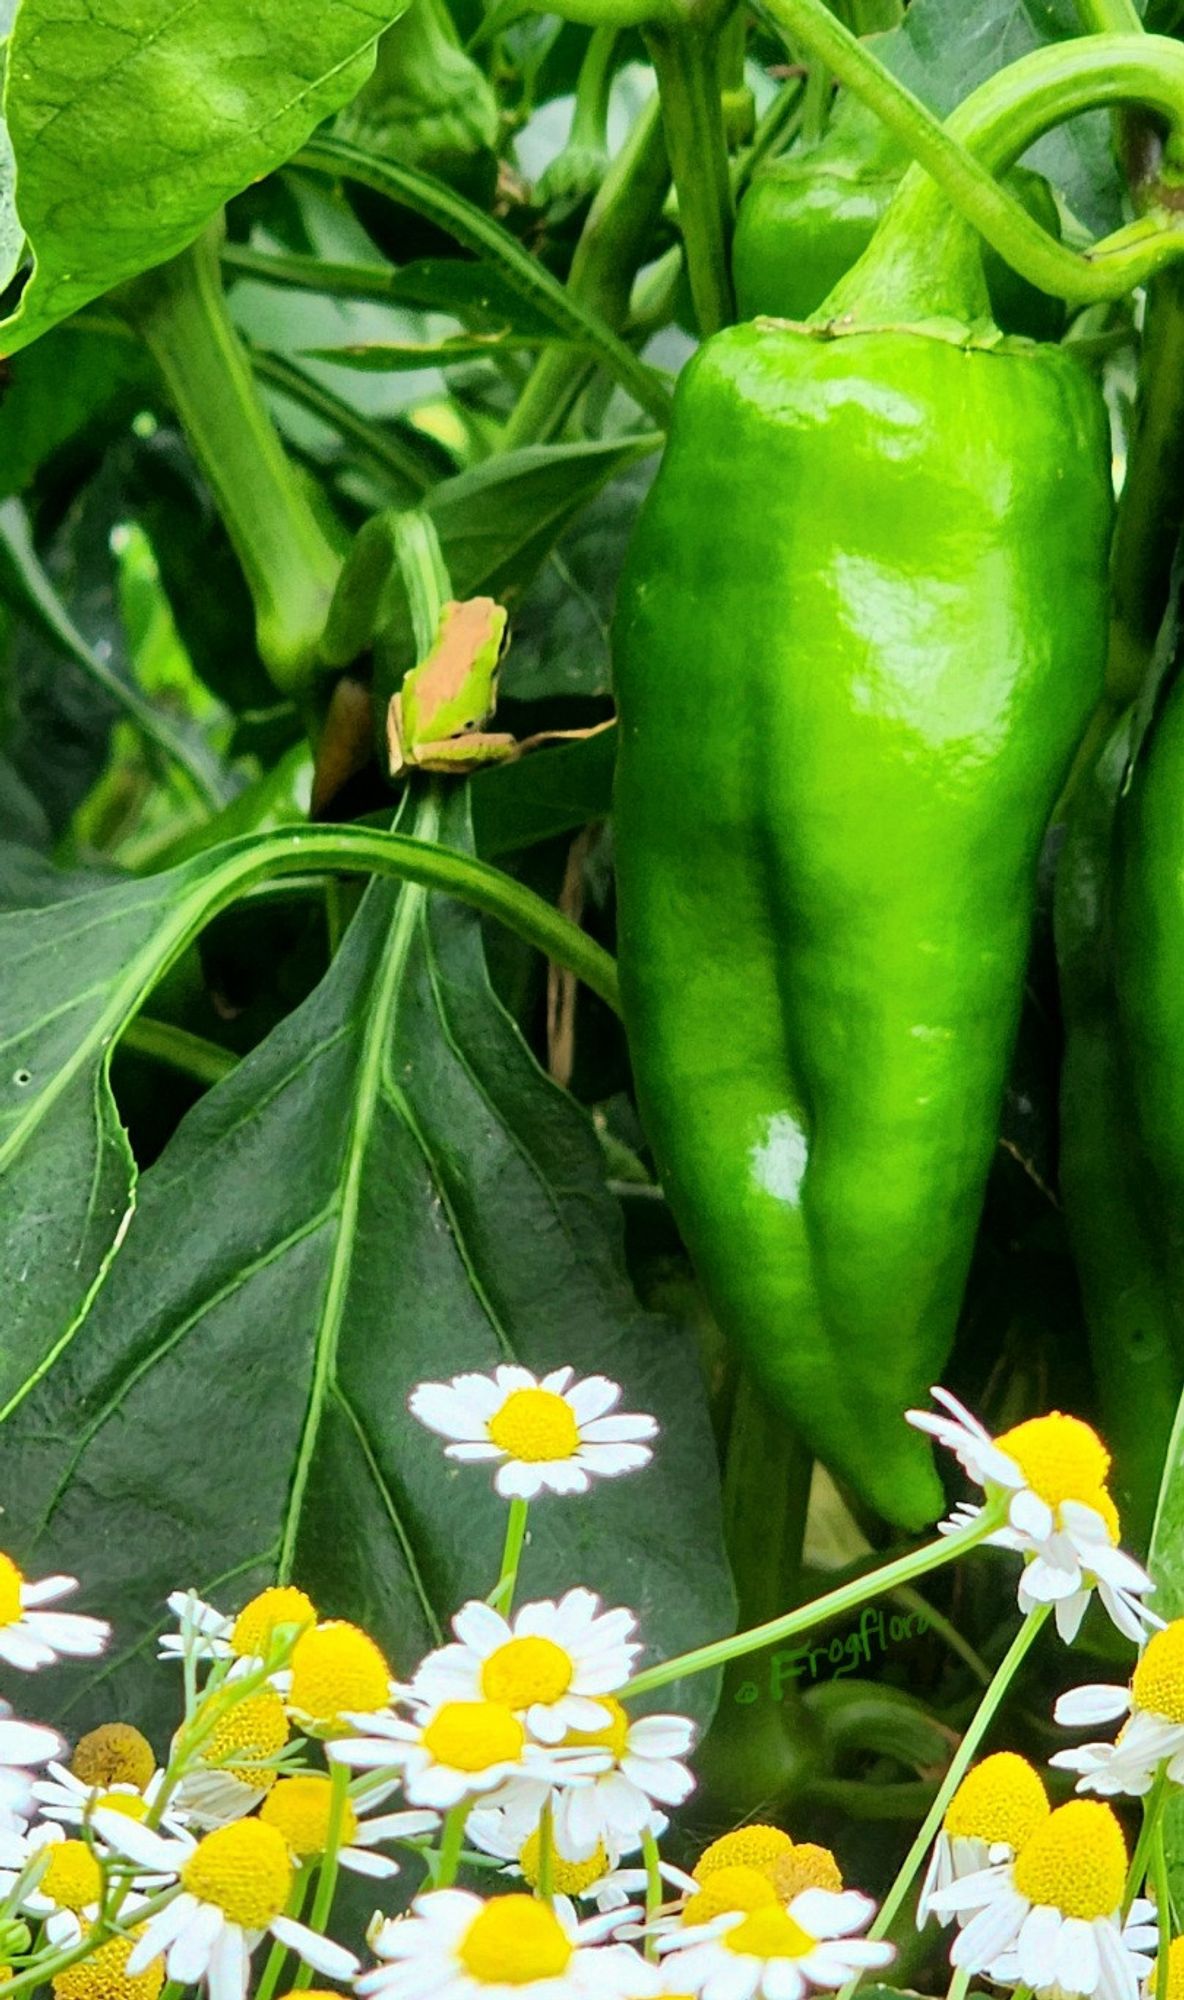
811	215
1134	1312
860	631
1149	953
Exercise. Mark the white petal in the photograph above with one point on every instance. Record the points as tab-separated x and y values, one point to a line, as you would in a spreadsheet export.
1077	1963
139	1842
1036	1946
28	1743
319	1952
47	1590
1030	1515
593	1398
1082	1707
826	1914
228	1964
190	1955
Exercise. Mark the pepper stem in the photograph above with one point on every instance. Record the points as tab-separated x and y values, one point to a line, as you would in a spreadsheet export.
686	61
1013	109
180	312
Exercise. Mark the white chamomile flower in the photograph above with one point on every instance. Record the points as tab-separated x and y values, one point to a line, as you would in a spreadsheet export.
463	1749
1151	1710
551	1434
515	1836
549	1666
22	1745
1049	1918
204	1633
63	1796
776	1952
234	1885
64	1878
611	1811
299	1808
1060	1516
995	1809
31	1637
455	1946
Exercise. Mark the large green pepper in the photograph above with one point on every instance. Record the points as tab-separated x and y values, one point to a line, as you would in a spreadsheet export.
861	629
810	214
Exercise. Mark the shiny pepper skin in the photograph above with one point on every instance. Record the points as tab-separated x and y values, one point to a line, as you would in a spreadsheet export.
808	217
860	632
1149	957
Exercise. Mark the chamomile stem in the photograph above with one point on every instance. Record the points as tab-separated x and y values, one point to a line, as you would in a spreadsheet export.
547	1854
653	1889
959	1983
1153	1806
1163	1898
502	1596
278	1954
451	1840
960	1763
330	1861
833	1604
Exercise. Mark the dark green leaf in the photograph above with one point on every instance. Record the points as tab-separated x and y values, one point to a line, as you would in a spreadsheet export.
133	126
388	357
552	791
387	1189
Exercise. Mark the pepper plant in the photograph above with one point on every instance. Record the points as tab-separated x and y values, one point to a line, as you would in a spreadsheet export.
590	778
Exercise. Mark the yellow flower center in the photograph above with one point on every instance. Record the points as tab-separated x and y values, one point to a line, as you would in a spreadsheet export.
113	1754
1075	1862
1158	1680
754	1846
133	1805
472	1735
299	1809
256	1623
790	1867
1060	1458
524	1671
249	1738
11	1581
244	1870
513	1941
735	1887
568	1878
770	1933
535	1424
1102	1504
614	1737
806	1866
1001	1799
1175	1978
103	1975
73	1878
338	1670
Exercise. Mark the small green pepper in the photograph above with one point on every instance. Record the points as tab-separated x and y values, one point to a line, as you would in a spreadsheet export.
810	215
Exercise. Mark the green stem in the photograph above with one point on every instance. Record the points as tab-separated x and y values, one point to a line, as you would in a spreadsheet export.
547	1854
959	1983
1163	1900
1000	120
1110	17
685	62
614	243
502	1596
479	233
451	1842
180	312
308	850
277	1956
322	1907
960	1763
833	1604
308	274
653	1890
191	1055
1153	1807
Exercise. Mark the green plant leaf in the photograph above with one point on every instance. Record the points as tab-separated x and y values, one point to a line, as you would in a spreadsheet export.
569	318
387	1189
131	128
75	974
